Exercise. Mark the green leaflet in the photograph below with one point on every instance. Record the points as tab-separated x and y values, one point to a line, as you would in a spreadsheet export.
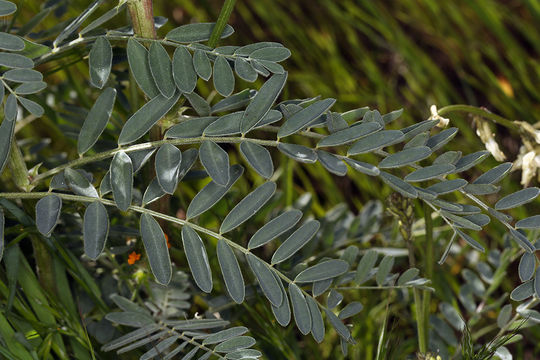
275	228
355	114
234	344
226	334
32	107
196	32
302	316
522	241
245	70
376	141
234	281
273	54
460	221
335	122
140	158
212	193
130	318
408	275
268	283
473	243
103	19
399	185
298	152
438	141
250	48
527	266
156	249
494	175
95	229
161	69
47	213
449	157
296	241
347	135
282	313
248	207
419	140
7	8
223	77
271	117
317	323
322	271
10	42
234	102
518	198
532	222
10	109
167	165
468	161
122	180
226	125
415	129
332	163
15	61
202	65
149	114
350	309
30	87
6	135
405	157
258	158
523	291
2	225
189	157
447	186
341	329
153	192
140	69
183	71
197	259
363	167
198	104
100	62
384	269
96	120
215	161
262	102
79	184
304	117
481	189
391	116
364	266
189	128
429	172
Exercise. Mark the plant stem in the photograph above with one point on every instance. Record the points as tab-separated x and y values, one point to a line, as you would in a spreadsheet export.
481	112
428	267
142	18
19	171
222	20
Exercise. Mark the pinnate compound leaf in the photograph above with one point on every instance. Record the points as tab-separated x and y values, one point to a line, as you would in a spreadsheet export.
161	69
347	135
234	281
96	120
275	228
216	162
322	271
100	62
405	157
196	32
212	193
140	68
297	152
79	184
262	102
197	259
302	316
527	266
518	198
95	229
183	70
155	245
296	241
47	213
304	117
202	65
248	207
376	141
268	283
122	180
317	323
223	76
258	158
167	164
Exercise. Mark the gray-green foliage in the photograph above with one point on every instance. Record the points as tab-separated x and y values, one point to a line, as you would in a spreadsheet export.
412	168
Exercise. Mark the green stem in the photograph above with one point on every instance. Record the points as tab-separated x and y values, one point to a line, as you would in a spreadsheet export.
142	18
222	20
481	112
19	171
428	267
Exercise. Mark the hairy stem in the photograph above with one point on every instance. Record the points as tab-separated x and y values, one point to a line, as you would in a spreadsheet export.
222	20
142	18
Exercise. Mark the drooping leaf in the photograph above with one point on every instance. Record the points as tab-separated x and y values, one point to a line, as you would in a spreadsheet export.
161	69
140	68
429	172
248	207
384	269
298	152
296	241
149	114
189	128
215	161
183	70
322	271
532	222
258	158
347	135
275	228
155	245
10	42
122	180
300	308
304	117
105	186
96	120
15	61
95	229
494	175
140	157
282	313
202	65
266	279
196	32
376	141
405	157
399	185
262	102
167	164
317	323
223	76
197	259
332	163
100	62
189	157
79	184
518	198
6	135
527	266
212	193
363	167
47	213
234	281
